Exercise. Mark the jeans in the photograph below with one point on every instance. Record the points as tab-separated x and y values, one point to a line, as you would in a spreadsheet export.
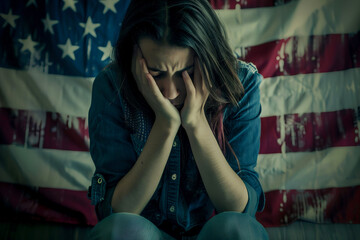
226	225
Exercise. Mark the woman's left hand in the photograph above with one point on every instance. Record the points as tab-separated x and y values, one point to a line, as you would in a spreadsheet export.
197	93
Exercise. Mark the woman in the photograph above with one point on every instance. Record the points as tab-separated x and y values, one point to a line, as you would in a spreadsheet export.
174	130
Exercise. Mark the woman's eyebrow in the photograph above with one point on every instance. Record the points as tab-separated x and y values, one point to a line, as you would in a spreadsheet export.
161	71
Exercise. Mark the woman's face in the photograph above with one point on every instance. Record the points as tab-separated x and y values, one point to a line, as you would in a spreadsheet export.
166	64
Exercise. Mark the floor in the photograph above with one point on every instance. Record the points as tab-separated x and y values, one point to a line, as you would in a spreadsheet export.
42	231
298	230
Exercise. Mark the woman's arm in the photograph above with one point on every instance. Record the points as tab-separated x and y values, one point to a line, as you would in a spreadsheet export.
225	188
136	188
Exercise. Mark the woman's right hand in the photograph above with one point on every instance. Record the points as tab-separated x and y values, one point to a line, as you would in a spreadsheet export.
162	107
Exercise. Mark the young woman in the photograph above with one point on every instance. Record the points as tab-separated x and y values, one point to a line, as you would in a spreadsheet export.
174	130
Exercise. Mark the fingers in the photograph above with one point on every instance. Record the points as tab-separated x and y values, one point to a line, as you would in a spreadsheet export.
150	80
189	86
141	73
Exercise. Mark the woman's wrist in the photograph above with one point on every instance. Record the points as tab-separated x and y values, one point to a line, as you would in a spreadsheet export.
167	124
195	124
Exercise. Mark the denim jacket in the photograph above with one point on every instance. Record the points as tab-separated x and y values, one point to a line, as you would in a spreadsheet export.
118	134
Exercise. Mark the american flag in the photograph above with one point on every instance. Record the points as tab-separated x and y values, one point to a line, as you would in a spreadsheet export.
307	51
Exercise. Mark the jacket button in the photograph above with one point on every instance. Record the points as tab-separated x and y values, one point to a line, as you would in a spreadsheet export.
172	209
174	144
173	177
99	180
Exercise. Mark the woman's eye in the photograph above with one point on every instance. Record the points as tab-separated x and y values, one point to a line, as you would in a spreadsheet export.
156	77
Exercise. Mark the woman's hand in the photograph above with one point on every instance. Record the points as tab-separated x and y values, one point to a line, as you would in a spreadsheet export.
162	107
196	95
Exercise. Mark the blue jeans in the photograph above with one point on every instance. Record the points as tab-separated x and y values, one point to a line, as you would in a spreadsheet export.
226	225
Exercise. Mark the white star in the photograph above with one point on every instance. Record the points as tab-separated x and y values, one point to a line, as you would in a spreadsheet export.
69	4
68	49
48	24
89	27
28	44
9	18
31	2
109	5
106	51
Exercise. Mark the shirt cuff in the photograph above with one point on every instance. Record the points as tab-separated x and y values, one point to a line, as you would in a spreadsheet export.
252	204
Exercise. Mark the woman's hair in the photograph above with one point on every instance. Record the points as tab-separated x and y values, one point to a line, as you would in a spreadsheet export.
190	24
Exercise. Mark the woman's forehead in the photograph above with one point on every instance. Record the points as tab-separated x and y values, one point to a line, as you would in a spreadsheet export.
164	56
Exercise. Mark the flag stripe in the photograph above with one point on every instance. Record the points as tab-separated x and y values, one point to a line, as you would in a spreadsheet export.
73	170
255	26
286	57
56	205
73	207
336	205
309	131
332	167
50	168
281	95
35	90
279	134
285	133
40	129
303	93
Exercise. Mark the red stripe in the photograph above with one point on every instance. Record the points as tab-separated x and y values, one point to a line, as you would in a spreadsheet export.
339	205
303	133
335	205
40	129
303	55
220	4
19	202
310	131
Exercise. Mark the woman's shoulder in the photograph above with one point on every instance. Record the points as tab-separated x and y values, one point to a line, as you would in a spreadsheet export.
110	72
250	79
107	81
248	73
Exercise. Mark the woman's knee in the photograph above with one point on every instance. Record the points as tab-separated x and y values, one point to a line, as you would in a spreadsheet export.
125	226
233	225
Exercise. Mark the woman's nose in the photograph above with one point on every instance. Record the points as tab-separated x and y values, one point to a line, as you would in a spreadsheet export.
168	88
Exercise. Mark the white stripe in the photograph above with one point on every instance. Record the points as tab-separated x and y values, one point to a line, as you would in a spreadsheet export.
305	93
73	170
46	168
333	167
35	90
253	26
302	93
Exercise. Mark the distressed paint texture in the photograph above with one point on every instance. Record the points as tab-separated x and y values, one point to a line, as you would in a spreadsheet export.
40	129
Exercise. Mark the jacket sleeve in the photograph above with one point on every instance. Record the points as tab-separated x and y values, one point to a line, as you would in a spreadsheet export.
111	148
242	125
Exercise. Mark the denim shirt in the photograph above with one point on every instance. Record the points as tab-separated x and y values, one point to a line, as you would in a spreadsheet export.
118	135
